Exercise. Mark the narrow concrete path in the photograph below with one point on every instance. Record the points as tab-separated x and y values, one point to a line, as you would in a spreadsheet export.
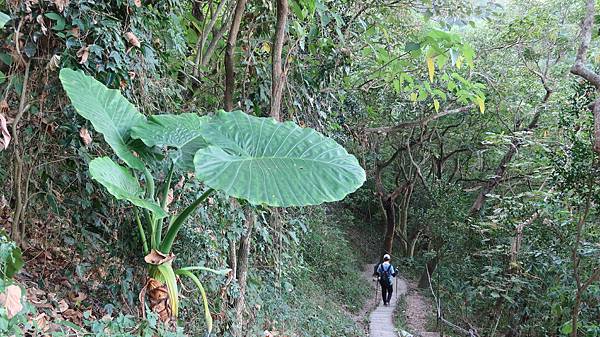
381	320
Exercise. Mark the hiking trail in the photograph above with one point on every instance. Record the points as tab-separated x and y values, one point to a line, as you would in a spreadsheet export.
381	320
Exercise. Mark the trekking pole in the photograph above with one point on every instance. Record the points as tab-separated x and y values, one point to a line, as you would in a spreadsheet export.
396	288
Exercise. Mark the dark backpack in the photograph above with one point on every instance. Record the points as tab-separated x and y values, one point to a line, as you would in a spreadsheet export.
384	276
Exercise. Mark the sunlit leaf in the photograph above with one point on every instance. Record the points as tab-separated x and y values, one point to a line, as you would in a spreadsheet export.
430	67
413	97
480	103
278	164
459	61
436	105
3	19
108	111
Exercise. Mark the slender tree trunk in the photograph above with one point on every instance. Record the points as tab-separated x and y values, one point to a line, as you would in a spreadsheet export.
580	68
204	36
404	216
428	272
390	227
278	75
242	272
18	227
229	54
596	111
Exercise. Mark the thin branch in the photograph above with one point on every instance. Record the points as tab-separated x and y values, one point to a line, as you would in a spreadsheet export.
204	37
420	122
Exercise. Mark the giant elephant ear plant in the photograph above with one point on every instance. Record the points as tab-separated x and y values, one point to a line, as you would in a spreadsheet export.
256	159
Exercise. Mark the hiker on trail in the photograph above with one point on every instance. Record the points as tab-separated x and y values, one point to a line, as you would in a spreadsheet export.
386	273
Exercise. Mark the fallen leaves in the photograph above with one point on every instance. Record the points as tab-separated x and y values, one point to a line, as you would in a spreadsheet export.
83	54
85	136
62	306
5	139
61	4
157	258
40	20
54	63
11	300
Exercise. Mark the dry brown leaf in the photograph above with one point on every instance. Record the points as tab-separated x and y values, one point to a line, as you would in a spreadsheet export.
40	19
41	322
132	39
61	4
179	184
83	53
73	315
77	297
11	300
54	63
169	197
4	106
138	3
75	32
62	306
85	136
157	258
5	139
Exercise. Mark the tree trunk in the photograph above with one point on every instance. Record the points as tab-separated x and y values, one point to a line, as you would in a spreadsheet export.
596	111
229	53
390	226
242	272
428	272
277	74
580	68
404	216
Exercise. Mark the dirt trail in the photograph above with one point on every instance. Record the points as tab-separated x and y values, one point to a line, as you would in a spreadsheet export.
381	320
418	309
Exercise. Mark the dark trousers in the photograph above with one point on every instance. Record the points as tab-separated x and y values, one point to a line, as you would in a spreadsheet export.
386	292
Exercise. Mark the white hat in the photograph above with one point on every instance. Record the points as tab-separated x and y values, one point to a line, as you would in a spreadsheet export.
387	257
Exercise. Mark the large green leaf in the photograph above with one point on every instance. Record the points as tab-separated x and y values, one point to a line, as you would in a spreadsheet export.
278	164
179	131
122	184
109	112
4	18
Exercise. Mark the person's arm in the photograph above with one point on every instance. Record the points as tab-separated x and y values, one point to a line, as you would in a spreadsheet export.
394	271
